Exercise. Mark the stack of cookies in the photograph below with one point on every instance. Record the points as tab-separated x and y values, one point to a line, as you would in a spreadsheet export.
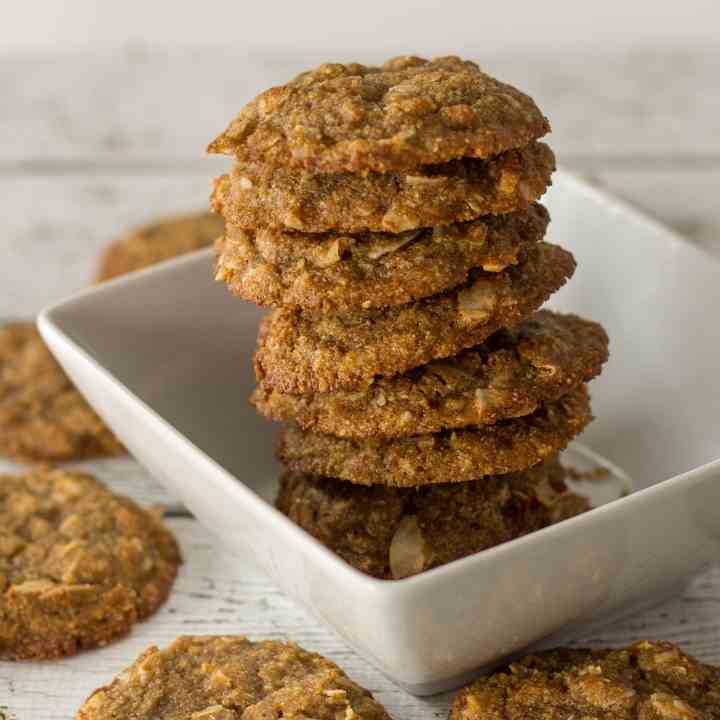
389	215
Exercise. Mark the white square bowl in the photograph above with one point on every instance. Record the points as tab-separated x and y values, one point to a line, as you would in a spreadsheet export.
165	356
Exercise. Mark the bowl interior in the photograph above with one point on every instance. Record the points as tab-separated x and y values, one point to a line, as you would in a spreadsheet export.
180	342
657	296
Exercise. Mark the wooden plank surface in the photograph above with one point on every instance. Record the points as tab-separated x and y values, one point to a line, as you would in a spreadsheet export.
142	108
90	146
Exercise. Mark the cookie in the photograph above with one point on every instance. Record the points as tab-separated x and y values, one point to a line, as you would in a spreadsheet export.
450	456
300	353
508	376
42	415
255	196
405	113
229	677
648	680
78	564
392	533
335	273
159	241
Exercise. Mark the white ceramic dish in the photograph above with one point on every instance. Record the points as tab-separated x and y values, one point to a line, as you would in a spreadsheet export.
165	357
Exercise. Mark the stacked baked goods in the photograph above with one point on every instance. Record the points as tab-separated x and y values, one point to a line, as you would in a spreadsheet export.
389	215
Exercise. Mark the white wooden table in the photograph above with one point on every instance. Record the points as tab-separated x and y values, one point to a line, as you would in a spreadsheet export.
90	145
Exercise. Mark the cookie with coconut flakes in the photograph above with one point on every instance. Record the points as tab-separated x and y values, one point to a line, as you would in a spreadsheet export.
507	376
304	353
254	195
649	680
397	116
231	677
450	456
392	533
79	565
336	273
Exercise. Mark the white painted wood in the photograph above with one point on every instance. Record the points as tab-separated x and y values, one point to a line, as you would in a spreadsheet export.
145	108
91	145
54	228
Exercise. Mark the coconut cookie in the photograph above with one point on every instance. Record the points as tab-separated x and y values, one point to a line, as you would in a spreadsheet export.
445	457
228	678
42	415
159	241
395	532
78	564
508	376
649	680
256	196
303	353
335	273
405	113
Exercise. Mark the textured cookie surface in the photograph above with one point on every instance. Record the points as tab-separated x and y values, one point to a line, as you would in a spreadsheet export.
300	353
450	456
392	533
78	564
159	241
42	415
229	678
405	113
649	680
334	273
254	195
507	376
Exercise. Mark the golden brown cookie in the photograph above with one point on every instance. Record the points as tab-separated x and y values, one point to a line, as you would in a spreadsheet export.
300	353
230	677
509	375
649	680
335	273
42	415
392	533
405	113
159	241
450	456
255	196
78	564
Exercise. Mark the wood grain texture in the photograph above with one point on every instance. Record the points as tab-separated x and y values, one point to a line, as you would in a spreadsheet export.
91	145
146	108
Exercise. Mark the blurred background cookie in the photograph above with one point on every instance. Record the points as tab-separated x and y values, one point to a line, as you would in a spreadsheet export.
161	240
42	416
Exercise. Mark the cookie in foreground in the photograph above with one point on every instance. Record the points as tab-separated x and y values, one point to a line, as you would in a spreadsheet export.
407	112
159	241
446	457
649	680
508	376
42	416
392	533
229	677
79	565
